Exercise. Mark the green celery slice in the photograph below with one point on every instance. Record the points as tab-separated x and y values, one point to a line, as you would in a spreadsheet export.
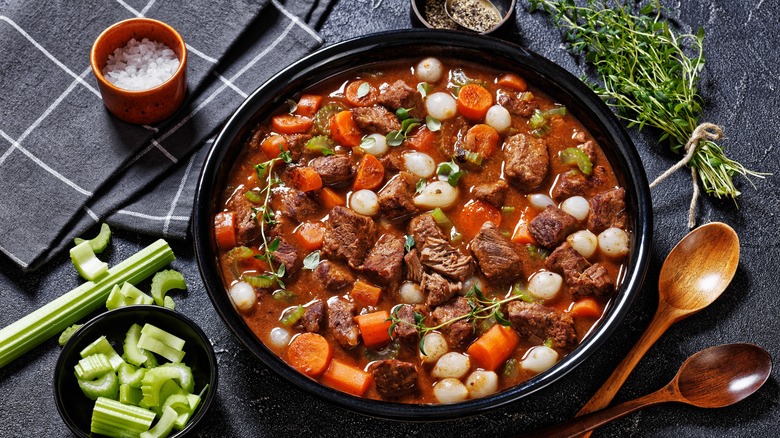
164	424
155	378
169	303
106	386
156	346
130	395
93	366
49	320
67	333
115	298
134	355
135	295
101	345
130	375
112	418
578	157
166	338
100	242
86	262
164	281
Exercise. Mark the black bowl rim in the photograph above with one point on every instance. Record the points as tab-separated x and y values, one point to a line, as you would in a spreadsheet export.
205	403
626	153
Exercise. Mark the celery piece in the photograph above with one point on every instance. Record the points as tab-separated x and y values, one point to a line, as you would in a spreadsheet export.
115	298
101	345
169	303
578	157
135	295
130	375
99	242
156	346
105	386
112	418
86	262
19	337
164	281
130	395
184	417
163	426
441	219
92	366
134	355
67	333
155	378
166	338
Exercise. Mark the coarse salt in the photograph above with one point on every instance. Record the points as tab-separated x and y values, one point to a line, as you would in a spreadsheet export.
141	65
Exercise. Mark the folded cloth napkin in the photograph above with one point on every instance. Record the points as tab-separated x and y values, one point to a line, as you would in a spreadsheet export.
66	163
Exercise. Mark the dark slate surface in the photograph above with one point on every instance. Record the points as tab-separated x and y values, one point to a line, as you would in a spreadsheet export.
740	85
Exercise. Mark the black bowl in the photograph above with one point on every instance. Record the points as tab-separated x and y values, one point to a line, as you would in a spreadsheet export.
505	7
76	409
554	80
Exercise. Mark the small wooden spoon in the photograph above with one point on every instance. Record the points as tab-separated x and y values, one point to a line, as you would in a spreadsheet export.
694	274
712	378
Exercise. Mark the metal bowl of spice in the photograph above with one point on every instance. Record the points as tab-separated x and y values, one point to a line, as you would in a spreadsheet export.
480	16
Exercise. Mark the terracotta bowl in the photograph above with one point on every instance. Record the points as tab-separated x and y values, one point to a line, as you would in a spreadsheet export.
143	106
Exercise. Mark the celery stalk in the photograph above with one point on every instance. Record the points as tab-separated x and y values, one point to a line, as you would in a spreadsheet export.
163	426
99	242
112	418
40	325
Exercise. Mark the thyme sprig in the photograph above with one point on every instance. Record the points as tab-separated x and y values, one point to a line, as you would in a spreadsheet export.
647	76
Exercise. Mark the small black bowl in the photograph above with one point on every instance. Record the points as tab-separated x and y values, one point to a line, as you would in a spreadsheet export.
76	409
370	52
505	7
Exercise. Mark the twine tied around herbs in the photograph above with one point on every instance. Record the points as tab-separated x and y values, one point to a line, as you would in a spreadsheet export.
705	131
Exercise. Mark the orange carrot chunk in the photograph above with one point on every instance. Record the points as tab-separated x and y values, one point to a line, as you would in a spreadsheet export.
308	105
290	124
522	234
346	378
494	347
365	293
273	146
424	140
513	81
305	179
310	235
225	229
474	215
370	173
344	130
586	307
359	94
374	328
329	198
310	354
474	101
482	139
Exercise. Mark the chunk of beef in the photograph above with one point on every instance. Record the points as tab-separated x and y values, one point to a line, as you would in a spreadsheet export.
341	322
594	280
392	161
566	261
517	106
459	332
293	203
296	143
247	228
494	193
526	161
414	269
438	289
396	198
534	319
451	137
384	264
589	148
393	377
287	255
312	317
438	255
332	276
375	119
399	95
405	332
551	226
607	209
574	183
333	169
349	236
497	256
423	227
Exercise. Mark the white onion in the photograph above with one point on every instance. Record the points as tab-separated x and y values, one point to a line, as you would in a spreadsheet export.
279	337
419	164
613	242
539	358
576	206
452	365
437	194
584	242
471	282
481	383
435	346
376	147
450	390
540	201
365	202
441	105
499	118
545	285
243	295
429	70
411	293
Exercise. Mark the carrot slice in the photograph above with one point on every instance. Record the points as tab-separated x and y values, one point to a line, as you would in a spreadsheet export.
329	198
494	347
357	96
291	124
225	229
513	81
344	130
370	173
374	328
310	354
522	234
474	214
308	105
273	146
474	101
586	307
346	378
482	139
424	140
305	179
365	293
310	235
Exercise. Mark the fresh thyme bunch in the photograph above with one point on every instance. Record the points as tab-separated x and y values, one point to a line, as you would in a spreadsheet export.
647	77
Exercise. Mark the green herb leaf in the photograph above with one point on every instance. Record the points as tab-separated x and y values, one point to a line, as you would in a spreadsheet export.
283	295
408	242
274	245
260	170
280	271
395	138
420	185
367	142
424	88
432	123
402	113
312	260
409	124
286	156
363	90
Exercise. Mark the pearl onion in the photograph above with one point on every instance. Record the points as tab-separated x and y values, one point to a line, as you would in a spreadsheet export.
539	358
279	337
411	293
429	70
450	390
420	164
377	147
613	242
441	105
481	383
435	346
540	201
365	202
437	194
576	206
243	295
545	285
499	118
584	242
452	365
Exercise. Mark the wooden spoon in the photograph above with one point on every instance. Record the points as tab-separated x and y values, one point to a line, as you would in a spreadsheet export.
712	378
694	274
